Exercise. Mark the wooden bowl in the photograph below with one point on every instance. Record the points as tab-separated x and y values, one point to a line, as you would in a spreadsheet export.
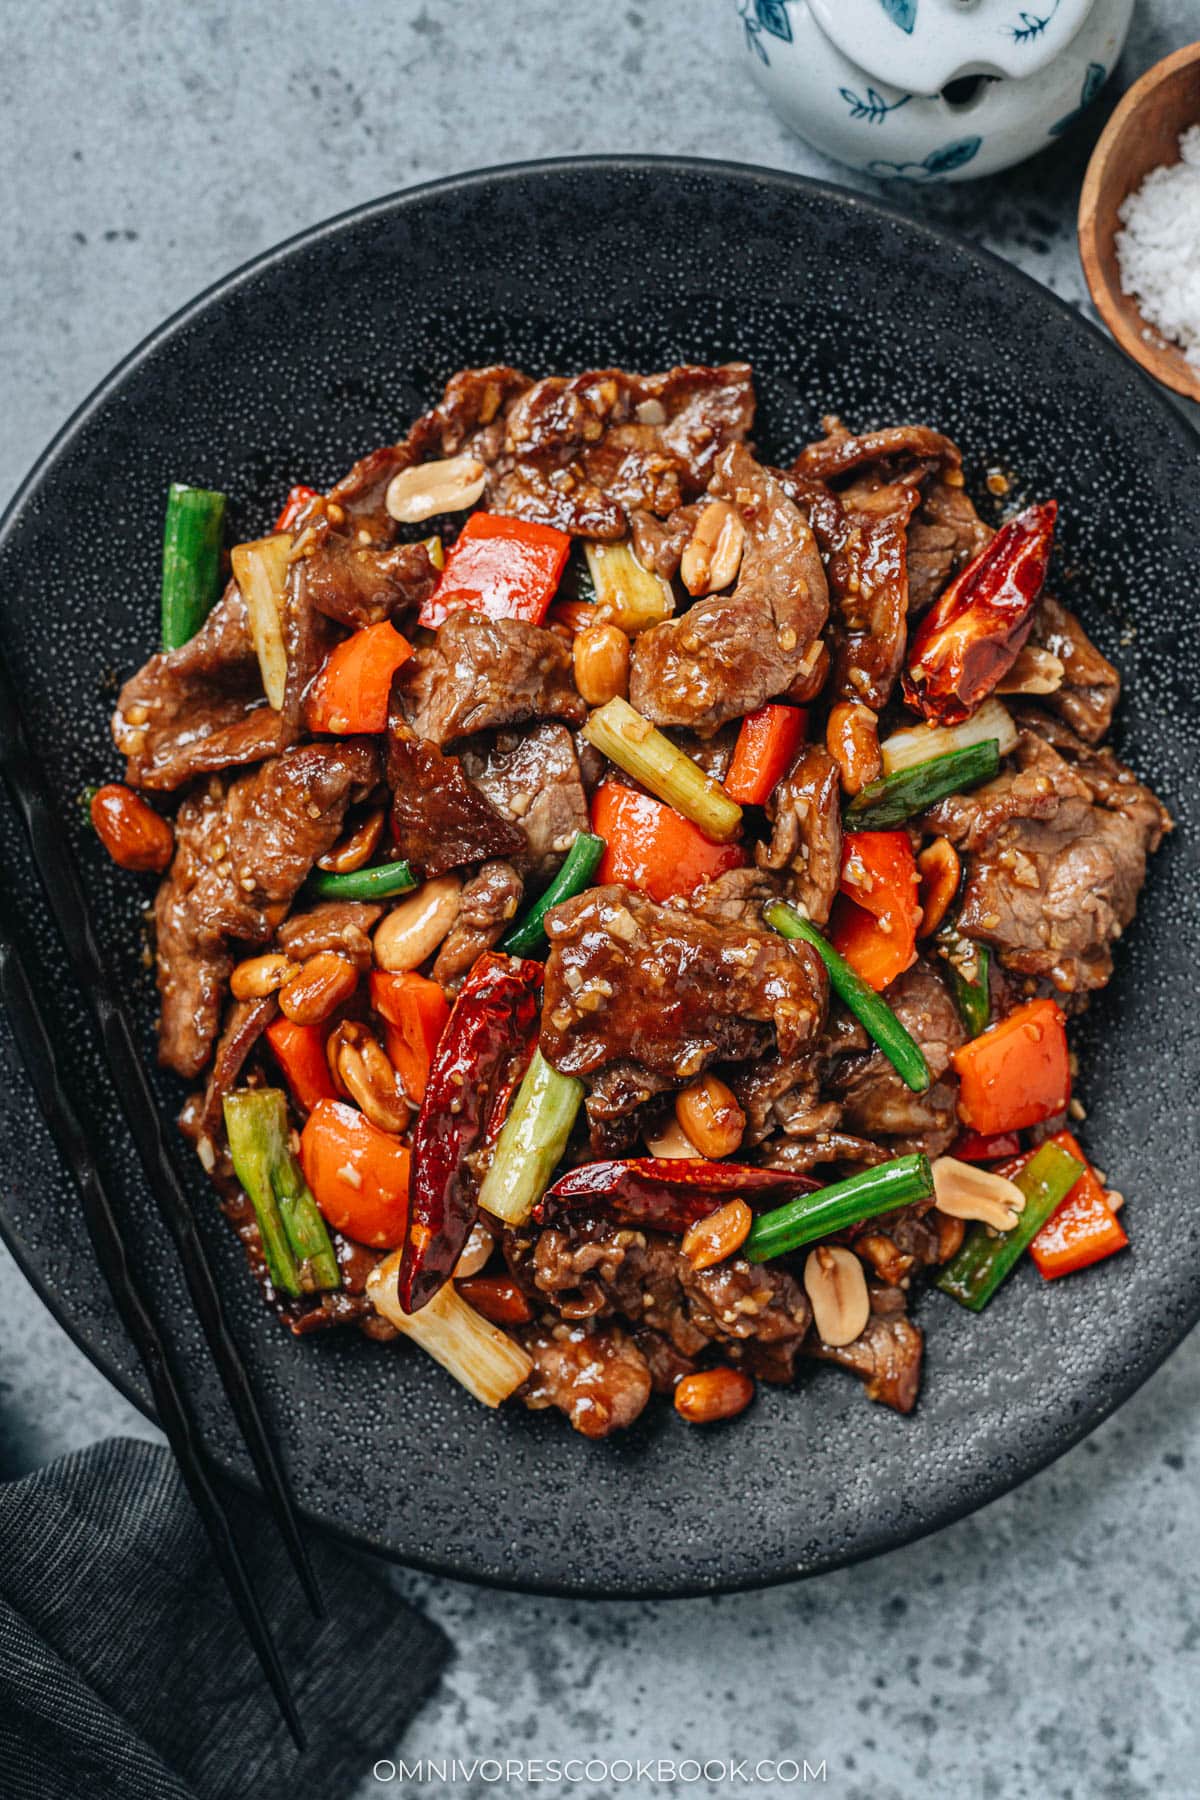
1143	132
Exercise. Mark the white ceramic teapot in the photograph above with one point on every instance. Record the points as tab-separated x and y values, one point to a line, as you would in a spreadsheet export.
932	90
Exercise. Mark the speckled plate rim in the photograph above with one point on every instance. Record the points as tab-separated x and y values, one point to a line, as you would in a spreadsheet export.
1138	1371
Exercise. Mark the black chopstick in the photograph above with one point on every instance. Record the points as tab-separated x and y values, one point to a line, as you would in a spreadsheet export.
64	891
174	1414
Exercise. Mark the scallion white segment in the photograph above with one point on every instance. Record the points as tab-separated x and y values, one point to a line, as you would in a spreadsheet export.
477	1353
635	745
919	742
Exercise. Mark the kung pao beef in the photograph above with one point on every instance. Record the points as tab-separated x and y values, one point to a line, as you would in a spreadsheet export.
622	901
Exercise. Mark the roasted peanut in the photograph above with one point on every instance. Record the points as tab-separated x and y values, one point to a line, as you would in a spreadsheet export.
497	1297
259	976
1035	671
426	489
317	988
475	1252
570	616
357	847
414	929
951	1233
712	1239
714	553
712	1394
361	1069
601	657
708	1113
135	836
852	739
837	1292
965	1191
672	1143
940	871
885	1257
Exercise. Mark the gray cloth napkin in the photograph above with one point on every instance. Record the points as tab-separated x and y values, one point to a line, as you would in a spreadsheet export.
125	1675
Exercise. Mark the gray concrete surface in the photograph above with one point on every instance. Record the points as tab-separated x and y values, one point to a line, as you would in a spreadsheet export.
1049	1645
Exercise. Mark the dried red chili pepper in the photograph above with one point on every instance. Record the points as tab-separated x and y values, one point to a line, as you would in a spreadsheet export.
665	1195
971	635
298	498
482	1055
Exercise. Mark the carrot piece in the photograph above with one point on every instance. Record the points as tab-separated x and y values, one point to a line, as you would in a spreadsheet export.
350	693
651	847
1084	1230
300	1052
766	744
874	921
357	1173
414	1011
1016	1073
504	568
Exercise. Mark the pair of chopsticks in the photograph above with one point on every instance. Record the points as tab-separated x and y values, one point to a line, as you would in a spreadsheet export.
64	891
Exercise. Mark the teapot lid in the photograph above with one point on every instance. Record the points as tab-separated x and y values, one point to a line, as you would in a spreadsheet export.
923	44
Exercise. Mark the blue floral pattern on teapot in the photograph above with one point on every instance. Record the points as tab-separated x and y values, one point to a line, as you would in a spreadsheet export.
973	126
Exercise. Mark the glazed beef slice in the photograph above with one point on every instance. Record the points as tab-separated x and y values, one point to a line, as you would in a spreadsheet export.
241	854
730	653
1056	855
483	674
629	981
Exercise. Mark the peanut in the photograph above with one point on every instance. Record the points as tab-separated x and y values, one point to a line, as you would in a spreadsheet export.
672	1143
940	871
708	1114
712	1394
852	739
476	1252
837	1292
317	988
135	836
714	553
426	489
414	929
358	846
712	1239
601	658
965	1191
497	1297
259	976
361	1069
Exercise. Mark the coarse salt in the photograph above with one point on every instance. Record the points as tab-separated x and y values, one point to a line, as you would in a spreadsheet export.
1159	248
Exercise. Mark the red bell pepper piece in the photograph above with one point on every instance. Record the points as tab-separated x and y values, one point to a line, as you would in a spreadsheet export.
414	1011
664	1193
971	1147
298	498
1084	1229
300	1052
1016	1073
766	745
504	568
350	692
970	637
652	848
359	1175
484	1051
874	921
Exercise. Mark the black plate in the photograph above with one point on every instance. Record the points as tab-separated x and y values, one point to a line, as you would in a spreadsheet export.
316	353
